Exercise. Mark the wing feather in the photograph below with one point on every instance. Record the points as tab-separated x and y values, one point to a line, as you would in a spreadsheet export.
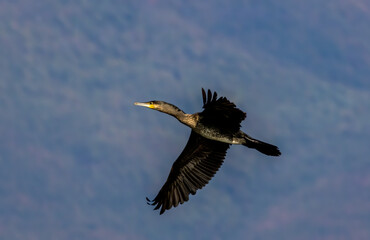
220	113
193	169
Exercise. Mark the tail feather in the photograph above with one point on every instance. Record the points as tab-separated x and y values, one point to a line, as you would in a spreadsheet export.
262	147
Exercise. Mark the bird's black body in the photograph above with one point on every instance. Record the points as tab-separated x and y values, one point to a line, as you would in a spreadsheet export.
213	131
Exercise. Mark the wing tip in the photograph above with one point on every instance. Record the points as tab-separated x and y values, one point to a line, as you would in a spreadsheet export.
157	204
149	202
208	97
204	96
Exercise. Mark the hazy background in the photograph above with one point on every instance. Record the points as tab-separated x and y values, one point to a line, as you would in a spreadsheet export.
77	158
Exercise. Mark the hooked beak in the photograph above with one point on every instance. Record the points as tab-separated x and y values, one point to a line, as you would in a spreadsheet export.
144	104
141	104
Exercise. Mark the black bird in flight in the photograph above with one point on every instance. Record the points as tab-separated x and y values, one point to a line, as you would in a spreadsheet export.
213	131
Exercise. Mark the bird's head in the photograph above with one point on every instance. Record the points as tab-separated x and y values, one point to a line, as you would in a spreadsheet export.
160	106
156	105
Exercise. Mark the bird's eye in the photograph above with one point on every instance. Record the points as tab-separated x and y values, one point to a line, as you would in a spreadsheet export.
151	103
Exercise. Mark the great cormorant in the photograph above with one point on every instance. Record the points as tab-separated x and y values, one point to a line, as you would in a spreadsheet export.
213	131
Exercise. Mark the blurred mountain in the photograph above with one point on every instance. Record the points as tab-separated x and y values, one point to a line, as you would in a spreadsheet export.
77	158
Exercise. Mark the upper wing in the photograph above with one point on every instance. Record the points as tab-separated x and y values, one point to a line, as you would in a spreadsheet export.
220	113
196	165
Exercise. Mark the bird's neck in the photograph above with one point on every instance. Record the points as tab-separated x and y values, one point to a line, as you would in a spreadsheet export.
187	119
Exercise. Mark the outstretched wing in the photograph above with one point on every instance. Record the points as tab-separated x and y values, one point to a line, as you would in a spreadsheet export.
220	113
196	165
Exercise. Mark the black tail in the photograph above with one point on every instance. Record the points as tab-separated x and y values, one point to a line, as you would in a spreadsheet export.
262	147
